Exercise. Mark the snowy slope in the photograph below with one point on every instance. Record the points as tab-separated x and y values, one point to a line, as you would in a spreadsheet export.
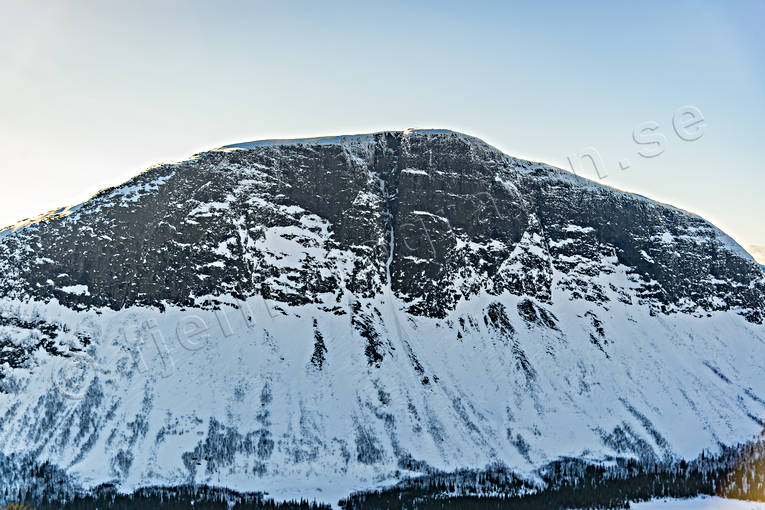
704	503
324	315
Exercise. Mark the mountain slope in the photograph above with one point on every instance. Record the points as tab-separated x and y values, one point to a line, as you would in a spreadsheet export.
310	316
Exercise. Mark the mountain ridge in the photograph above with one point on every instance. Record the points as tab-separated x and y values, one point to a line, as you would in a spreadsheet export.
363	138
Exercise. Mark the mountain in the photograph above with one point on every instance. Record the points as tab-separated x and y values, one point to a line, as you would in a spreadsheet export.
311	317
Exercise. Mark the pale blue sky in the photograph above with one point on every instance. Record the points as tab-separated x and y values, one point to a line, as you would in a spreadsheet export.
92	92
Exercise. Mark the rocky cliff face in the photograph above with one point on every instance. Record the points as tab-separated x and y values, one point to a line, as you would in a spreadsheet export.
291	315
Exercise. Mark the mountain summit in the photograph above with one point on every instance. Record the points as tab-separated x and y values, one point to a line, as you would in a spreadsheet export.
308	317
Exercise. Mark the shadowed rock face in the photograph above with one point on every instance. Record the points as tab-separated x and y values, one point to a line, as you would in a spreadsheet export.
430	303
462	217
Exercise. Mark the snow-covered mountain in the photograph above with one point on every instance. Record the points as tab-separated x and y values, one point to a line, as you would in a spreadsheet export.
310	317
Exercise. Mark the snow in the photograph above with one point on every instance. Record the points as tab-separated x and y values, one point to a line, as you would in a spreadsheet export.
688	403
430	214
411	131
132	193
80	290
357	139
414	171
665	237
700	503
732	245
578	228
361	139
365	199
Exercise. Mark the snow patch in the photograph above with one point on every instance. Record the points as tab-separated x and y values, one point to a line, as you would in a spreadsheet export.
80	290
414	171
703	502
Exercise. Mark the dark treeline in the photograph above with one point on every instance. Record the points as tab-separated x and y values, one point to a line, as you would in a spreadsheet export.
164	498
571	483
734	472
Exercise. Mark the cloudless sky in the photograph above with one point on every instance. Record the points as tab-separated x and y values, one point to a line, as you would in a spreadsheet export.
91	92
